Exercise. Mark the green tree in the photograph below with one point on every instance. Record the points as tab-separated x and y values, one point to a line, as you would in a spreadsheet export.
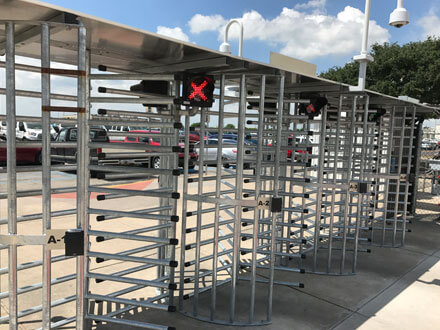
412	69
195	125
230	126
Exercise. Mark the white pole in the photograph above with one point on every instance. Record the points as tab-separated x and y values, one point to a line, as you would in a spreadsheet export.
399	3
240	45
366	27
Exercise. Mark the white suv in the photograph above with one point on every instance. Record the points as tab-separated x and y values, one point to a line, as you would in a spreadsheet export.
3	130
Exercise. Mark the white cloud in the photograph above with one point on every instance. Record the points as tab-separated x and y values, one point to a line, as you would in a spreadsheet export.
430	24
306	36
318	5
200	23
175	33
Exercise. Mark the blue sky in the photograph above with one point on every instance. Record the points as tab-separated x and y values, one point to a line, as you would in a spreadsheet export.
324	32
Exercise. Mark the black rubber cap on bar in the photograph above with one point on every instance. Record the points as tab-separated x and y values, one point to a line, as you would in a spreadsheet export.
243	267
301	285
100	218
245	195
368	239
302	270
244	239
309	132
189	214
98	280
409	230
190	180
368	251
101	156
245	209
187	280
178	125
176	172
176	149
187	264
173	263
100	197
305	226
188	230
99	260
246	181
243	253
303	256
172	286
304	241
370	228
102	68
102	111
244	224
171	328
306	211
100	239
186	297
102	90
100	176
174	241
175	195
188	247
306	195
307	180
172	308
174	218
249	122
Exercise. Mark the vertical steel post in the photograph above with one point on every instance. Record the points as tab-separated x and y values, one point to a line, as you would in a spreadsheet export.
221	110
408	172
184	210
82	176
347	212
12	172
46	175
390	146
238	194
319	189
276	186
199	213
257	194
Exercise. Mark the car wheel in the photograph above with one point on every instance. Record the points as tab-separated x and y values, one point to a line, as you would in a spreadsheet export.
155	163
39	158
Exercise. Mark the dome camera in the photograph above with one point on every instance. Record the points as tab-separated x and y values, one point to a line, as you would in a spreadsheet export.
399	17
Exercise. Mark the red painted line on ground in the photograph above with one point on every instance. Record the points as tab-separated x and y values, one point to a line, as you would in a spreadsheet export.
140	185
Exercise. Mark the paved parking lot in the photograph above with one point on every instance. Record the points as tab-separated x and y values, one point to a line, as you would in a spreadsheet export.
395	288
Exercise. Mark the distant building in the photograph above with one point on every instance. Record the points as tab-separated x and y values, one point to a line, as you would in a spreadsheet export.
429	133
437	132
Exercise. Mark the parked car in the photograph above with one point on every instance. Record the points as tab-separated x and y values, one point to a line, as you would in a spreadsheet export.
229	151
31	131
3	130
155	141
69	134
23	155
193	138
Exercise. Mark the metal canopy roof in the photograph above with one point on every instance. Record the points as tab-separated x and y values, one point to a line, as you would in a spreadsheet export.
126	48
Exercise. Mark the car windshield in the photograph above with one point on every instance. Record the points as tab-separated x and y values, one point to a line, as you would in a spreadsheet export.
34	125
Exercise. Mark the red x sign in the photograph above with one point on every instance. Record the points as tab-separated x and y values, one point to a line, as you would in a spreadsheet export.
198	90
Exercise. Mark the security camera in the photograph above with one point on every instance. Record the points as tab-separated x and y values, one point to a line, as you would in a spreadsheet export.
399	17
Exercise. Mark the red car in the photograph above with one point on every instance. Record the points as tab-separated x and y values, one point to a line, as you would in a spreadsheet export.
24	155
155	161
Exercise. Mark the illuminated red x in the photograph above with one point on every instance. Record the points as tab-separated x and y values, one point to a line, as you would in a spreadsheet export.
198	90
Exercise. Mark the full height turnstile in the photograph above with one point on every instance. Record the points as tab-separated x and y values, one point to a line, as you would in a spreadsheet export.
230	213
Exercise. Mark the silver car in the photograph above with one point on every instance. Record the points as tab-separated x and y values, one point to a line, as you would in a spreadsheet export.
229	150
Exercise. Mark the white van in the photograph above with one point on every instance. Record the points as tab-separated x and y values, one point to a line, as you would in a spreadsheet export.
31	131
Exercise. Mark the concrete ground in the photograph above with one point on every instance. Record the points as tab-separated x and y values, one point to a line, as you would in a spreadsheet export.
394	288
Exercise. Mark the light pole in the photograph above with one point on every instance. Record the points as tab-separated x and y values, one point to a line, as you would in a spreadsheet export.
398	18
225	47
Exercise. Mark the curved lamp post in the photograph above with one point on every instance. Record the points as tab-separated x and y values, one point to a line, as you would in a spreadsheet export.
398	18
225	47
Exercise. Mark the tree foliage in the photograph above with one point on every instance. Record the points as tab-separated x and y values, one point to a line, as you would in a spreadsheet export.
195	125
230	126
412	69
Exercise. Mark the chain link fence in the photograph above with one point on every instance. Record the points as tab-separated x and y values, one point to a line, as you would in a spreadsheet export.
428	192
